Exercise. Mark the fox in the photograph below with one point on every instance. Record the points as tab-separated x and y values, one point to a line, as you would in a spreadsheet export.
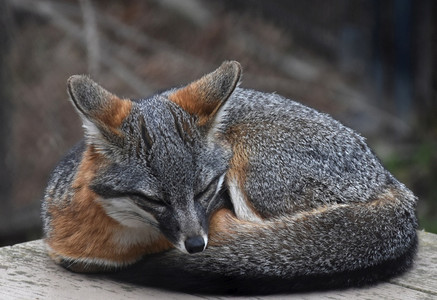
239	190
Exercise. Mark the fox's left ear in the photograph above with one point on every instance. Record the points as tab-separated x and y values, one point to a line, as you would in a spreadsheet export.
205	96
102	112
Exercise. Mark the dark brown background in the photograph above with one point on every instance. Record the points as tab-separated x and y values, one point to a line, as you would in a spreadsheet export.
371	64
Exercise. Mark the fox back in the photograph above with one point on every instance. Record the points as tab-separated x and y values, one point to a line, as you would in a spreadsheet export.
225	183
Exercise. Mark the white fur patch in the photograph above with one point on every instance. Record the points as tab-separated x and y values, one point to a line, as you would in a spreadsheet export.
220	183
217	123
139	225
91	130
127	213
205	238
238	199
129	236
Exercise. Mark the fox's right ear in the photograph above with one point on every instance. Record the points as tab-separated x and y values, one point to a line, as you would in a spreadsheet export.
204	97
102	112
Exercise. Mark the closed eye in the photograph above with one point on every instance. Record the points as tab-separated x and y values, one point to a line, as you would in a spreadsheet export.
211	189
144	201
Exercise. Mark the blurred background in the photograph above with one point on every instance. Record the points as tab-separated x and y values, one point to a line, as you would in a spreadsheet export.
371	64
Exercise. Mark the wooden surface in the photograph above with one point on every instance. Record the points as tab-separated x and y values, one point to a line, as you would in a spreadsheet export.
27	273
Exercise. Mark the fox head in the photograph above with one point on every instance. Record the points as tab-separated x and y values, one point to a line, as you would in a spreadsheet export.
160	165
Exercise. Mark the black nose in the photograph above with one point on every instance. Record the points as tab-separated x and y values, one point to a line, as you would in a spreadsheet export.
194	244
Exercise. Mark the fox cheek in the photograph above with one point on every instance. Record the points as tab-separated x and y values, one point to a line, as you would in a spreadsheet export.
169	227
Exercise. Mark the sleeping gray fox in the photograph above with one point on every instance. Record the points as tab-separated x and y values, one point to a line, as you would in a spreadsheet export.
251	190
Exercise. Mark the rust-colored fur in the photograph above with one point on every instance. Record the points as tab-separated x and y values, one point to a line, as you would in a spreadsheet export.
75	234
191	98
117	110
203	98
238	166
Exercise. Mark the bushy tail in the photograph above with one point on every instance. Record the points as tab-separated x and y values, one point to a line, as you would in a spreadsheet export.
335	246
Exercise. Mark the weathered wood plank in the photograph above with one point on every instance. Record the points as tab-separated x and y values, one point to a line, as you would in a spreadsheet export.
27	273
423	276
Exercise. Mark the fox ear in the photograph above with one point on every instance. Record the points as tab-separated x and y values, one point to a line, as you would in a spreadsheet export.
205	96
102	112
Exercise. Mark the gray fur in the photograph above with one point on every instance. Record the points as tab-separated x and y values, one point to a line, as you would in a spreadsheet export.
300	161
87	96
317	160
59	191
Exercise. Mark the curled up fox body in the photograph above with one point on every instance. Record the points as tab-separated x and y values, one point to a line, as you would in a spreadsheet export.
239	190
